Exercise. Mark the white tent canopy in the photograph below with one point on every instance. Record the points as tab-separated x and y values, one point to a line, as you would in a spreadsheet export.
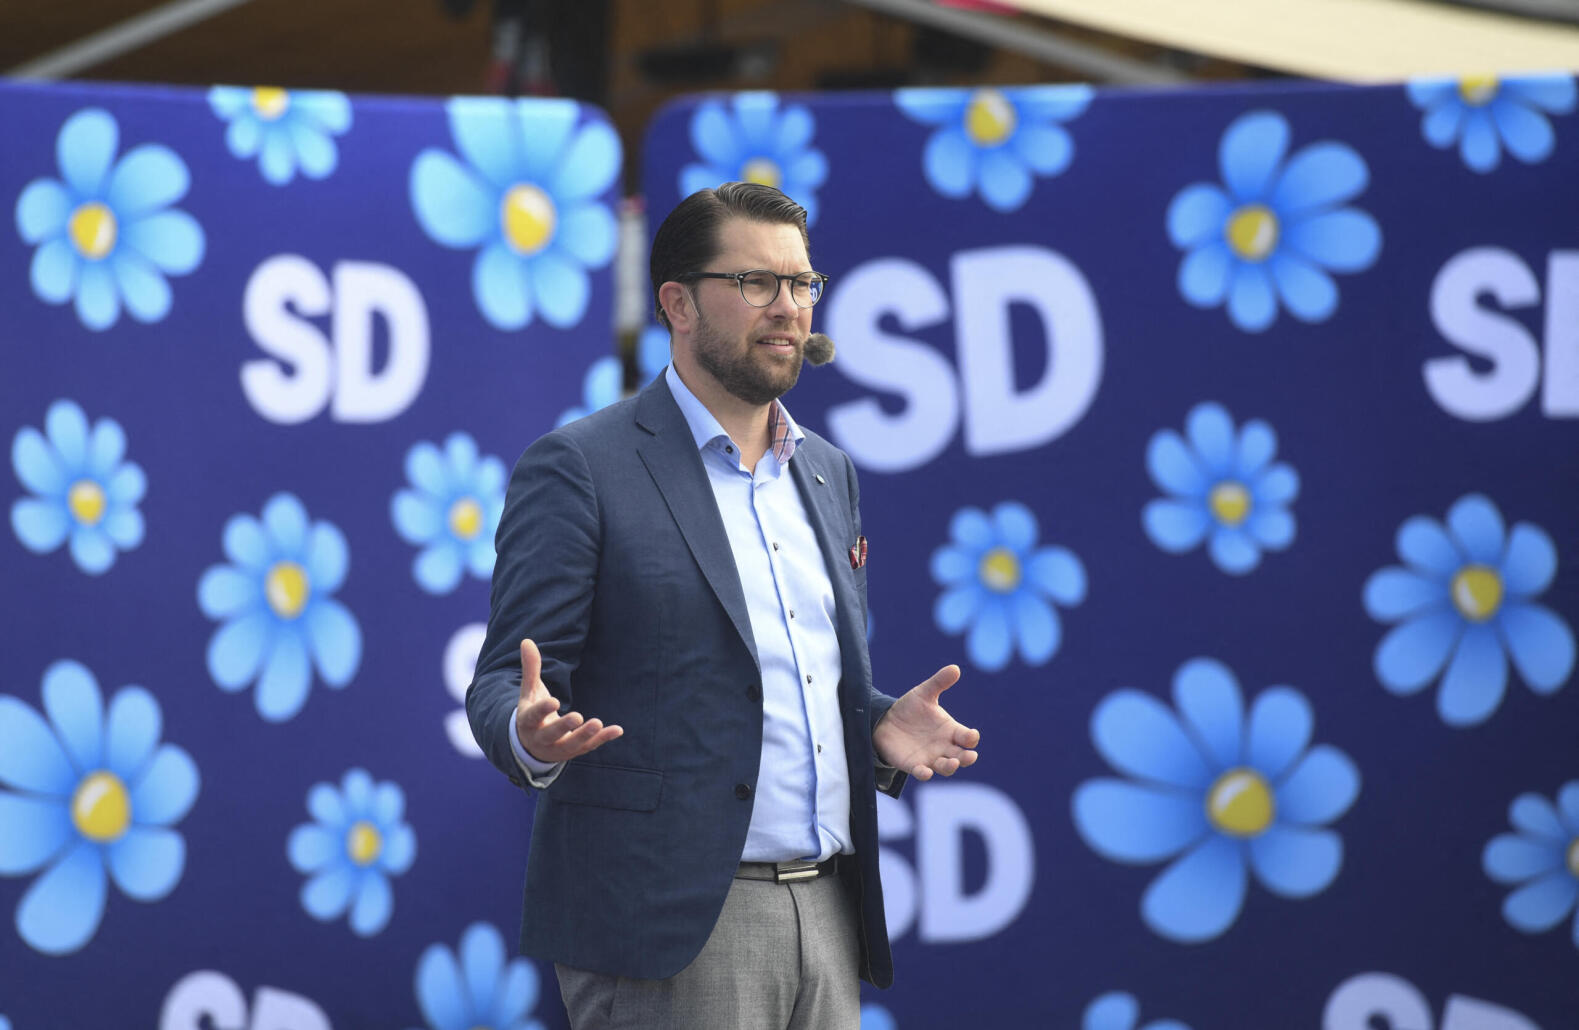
1343	40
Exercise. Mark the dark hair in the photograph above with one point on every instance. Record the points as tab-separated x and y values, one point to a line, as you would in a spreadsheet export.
687	241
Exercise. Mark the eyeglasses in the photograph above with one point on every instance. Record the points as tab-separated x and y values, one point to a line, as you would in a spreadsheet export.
760	287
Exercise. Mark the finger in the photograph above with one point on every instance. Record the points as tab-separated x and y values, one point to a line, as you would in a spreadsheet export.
967	758
533	713
945	766
590	737
555	728
921	772
940	681
966	737
531	666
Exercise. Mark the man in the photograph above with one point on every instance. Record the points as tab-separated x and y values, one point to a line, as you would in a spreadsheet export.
676	659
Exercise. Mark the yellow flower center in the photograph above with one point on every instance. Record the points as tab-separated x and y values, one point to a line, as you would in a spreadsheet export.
1477	592
529	218
1478	90
92	228
465	518
1240	803
1573	856
363	843
1230	502
1000	570
1252	232
86	501
270	102
287	589
989	118
762	172
101	808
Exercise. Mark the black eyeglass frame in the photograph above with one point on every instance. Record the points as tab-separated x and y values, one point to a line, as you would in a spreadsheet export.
818	278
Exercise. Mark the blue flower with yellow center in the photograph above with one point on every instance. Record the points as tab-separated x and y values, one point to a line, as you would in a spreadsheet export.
277	605
451	513
105	231
1224	792
359	839
1225	488
1542	858
1464	601
1002	587
83	489
1484	114
604	382
754	140
526	197
477	986
1275	229
286	130
994	141
1117	1010
89	791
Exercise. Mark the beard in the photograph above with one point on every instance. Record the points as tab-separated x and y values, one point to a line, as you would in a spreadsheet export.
751	376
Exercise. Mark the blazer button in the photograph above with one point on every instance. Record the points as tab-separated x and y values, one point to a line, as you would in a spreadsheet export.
754	692
743	791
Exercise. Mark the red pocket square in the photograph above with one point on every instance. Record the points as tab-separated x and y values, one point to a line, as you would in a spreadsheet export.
858	553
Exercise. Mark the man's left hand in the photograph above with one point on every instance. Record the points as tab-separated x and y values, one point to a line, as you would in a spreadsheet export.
918	737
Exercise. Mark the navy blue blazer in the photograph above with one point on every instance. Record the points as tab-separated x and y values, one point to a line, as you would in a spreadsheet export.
613	558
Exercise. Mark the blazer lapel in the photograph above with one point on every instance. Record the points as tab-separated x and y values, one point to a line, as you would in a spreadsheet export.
675	465
830	520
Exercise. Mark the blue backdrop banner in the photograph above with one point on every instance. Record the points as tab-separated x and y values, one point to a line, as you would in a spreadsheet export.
266	360
1227	440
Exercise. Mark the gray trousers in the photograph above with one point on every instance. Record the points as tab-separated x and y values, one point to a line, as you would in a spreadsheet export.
782	957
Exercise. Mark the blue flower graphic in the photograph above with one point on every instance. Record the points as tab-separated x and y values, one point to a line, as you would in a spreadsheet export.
105	231
1219	790
1222	484
1117	1010
285	130
526	197
1542	857
276	603
358	841
1274	230
875	1017
92	791
83	490
1483	114
603	385
994	141
1464	601
997	582
754	140
474	986
452	513
605	379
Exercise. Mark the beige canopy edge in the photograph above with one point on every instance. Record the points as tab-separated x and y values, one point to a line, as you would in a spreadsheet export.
1343	40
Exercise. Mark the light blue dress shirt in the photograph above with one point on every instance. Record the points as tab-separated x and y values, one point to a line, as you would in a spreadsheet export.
802	806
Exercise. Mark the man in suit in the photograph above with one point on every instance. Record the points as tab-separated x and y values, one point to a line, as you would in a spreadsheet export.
676	661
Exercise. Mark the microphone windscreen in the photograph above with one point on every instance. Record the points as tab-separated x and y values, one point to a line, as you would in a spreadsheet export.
819	349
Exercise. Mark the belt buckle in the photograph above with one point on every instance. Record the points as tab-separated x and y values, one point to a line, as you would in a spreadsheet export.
789	872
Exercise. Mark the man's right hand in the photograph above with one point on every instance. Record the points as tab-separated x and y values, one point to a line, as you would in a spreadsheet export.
545	734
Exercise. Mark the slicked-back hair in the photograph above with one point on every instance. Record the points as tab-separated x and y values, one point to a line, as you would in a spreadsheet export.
687	241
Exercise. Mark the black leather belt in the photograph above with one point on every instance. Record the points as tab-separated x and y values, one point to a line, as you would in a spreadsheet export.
786	872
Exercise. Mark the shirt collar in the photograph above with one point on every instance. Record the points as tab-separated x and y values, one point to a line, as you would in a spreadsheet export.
705	429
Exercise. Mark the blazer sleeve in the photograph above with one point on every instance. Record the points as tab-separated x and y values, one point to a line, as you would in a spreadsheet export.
543	581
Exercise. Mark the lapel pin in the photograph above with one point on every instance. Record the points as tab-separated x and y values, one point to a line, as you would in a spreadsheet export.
820	479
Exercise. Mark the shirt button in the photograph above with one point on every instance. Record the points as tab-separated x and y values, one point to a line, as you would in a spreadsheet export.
743	791
792	613
754	692
819	749
808	678
729	450
775	545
